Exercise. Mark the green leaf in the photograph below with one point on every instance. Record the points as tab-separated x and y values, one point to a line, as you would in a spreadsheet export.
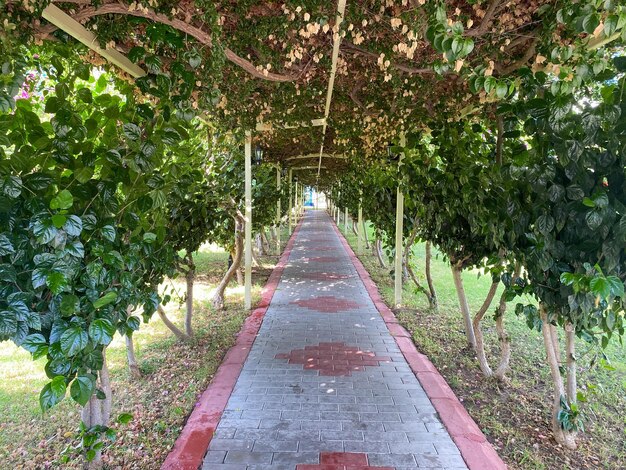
590	23
6	247
45	231
132	323
501	89
58	220
56	281
82	389
124	418
38	278
616	285
108	233
69	305
610	25
8	273
63	200
490	84
8	323
568	278
149	237
73	226
106	299
620	63
593	219
76	249
52	393
589	202
73	340
53	104
575	192
545	223
11	186
84	94
601	287
101	331
35	344
131	131
84	174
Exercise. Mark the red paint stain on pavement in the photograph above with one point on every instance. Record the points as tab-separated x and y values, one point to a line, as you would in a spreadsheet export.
333	359
327	304
341	461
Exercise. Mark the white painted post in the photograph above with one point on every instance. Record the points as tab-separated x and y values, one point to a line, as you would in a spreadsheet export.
399	230
248	227
345	221
278	211
359	248
290	201
296	205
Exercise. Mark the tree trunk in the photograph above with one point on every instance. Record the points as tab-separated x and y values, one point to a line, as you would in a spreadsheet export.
460	292
173	328
132	359
478	332
570	350
190	278
367	239
97	412
503	339
354	229
378	247
434	303
266	243
238	272
218	297
550	340
260	248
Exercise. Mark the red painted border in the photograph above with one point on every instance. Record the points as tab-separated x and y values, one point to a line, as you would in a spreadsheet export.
477	452
193	441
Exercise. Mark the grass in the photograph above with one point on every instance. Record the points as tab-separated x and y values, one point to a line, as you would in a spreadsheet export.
173	376
514	415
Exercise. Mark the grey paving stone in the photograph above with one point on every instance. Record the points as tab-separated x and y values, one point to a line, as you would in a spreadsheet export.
321	446
392	460
230	444
243	457
215	456
275	446
295	458
223	466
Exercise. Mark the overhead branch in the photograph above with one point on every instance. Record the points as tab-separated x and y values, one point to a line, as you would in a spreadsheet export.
349	47
355	98
201	35
521	62
486	21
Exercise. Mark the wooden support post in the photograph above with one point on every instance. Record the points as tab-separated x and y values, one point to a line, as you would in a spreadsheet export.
290	215
248	227
359	248
399	230
278	211
345	221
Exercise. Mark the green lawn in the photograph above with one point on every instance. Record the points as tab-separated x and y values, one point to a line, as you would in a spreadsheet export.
174	374
513	415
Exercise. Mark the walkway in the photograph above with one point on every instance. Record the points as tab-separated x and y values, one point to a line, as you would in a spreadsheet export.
325	385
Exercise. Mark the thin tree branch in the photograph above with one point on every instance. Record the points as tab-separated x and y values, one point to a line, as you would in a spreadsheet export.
199	34
487	20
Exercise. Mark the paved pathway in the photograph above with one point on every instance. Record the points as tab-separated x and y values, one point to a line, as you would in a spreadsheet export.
325	386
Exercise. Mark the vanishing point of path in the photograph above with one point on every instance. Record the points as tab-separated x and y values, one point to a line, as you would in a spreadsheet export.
325	385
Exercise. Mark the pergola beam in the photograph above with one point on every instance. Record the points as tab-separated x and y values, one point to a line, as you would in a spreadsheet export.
295	168
315	155
267	126
341	8
63	21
